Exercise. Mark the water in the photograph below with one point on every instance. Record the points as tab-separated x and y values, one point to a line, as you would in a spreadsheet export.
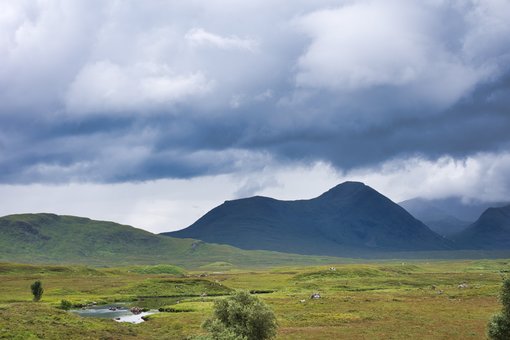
122	314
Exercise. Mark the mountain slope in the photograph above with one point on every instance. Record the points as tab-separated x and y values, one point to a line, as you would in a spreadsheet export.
432	214
49	238
351	219
490	231
452	206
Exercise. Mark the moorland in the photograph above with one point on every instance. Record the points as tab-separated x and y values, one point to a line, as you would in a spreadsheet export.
377	300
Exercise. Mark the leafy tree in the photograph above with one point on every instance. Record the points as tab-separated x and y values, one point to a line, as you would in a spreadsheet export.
241	317
37	290
499	326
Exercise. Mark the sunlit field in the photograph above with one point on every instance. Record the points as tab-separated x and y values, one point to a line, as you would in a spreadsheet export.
387	300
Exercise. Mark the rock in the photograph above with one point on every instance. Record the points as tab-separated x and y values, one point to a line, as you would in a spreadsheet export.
135	310
315	296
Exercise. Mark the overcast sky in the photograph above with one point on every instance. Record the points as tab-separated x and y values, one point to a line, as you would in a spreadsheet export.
150	113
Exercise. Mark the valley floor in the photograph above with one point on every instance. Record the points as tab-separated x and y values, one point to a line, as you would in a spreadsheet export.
388	300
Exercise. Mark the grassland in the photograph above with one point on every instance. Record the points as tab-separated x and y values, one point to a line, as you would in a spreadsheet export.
386	300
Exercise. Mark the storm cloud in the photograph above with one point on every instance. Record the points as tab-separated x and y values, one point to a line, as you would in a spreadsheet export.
114	92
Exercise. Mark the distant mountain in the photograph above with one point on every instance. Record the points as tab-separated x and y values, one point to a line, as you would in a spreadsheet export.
491	231
434	217
49	238
468	211
447	216
351	219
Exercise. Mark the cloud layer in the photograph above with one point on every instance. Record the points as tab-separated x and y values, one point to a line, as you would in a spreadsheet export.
114	92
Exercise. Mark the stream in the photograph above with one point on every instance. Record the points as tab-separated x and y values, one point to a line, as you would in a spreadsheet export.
116	312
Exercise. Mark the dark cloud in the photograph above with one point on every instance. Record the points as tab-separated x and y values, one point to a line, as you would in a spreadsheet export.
145	95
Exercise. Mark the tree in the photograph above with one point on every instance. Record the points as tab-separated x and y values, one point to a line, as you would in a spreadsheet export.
66	304
37	290
499	326
241	317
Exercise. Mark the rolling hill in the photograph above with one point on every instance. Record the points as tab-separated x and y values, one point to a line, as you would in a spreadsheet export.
491	231
49	238
351	219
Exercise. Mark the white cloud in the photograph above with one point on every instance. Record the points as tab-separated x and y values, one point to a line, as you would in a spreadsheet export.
488	39
51	47
481	177
401	45
201	37
104	86
317	60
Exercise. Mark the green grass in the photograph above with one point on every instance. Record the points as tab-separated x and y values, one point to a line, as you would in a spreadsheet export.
159	269
383	300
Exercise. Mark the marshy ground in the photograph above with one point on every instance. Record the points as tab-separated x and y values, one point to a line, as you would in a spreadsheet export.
384	300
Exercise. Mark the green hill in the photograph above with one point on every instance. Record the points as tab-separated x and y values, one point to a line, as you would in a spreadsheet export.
49	238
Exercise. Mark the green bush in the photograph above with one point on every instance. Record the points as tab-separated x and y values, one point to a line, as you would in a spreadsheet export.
37	290
241	317
66	304
499	326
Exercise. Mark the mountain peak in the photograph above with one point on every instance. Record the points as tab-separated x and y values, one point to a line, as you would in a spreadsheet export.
349	219
346	189
347	186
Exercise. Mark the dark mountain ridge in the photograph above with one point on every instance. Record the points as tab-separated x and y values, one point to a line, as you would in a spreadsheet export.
491	231
350	219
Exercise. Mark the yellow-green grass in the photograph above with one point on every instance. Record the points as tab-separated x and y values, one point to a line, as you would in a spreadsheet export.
384	300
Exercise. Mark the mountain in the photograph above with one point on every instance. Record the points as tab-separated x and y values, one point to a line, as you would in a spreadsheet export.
456	207
434	217
490	231
49	238
351	219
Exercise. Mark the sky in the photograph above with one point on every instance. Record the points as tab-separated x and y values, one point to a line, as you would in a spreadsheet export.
150	113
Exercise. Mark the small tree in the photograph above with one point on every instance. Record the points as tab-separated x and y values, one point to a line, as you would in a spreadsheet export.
37	290
66	304
241	317
499	326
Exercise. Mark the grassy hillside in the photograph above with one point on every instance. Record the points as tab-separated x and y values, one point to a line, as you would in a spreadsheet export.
49	238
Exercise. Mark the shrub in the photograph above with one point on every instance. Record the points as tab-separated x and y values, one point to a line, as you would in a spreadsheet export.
241	317
37	290
66	304
499	326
